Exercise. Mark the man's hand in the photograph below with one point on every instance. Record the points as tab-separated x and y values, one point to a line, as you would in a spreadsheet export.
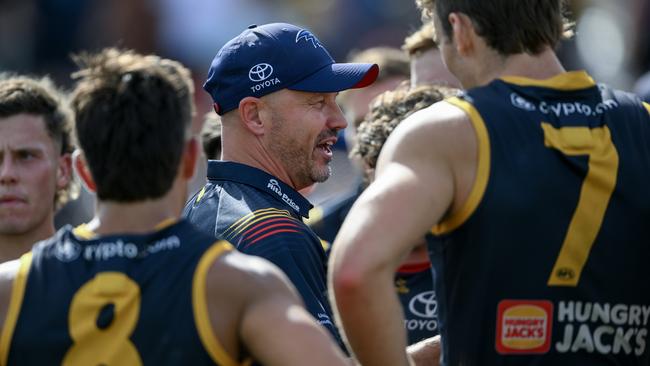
426	352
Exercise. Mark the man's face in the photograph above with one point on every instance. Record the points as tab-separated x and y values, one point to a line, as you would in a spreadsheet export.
304	129
29	174
457	65
428	68
446	47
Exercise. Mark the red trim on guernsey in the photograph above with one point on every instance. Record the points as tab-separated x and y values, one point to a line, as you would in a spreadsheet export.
414	267
272	233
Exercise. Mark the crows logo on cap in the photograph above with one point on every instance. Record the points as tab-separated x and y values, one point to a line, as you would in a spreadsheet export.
308	37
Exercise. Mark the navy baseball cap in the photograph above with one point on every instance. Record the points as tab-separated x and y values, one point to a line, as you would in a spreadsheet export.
266	58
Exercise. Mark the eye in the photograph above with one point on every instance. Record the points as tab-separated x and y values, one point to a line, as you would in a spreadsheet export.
25	155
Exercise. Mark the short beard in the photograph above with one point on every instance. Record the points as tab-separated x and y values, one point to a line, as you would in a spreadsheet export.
319	176
299	163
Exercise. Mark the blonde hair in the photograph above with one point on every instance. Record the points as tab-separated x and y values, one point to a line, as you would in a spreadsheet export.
421	40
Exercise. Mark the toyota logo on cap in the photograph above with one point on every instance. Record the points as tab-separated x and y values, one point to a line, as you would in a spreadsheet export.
260	72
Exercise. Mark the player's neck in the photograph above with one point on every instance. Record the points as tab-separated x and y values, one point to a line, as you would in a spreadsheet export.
542	66
13	246
135	217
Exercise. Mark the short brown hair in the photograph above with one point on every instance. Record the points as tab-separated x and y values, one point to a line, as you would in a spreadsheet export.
211	135
387	111
133	115
508	26
421	40
40	97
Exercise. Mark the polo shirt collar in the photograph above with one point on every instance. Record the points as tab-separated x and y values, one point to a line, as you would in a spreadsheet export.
245	174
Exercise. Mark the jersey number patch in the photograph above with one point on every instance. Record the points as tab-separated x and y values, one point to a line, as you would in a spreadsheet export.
103	314
595	193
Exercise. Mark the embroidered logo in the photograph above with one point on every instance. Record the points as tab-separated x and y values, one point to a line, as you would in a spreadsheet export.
308	37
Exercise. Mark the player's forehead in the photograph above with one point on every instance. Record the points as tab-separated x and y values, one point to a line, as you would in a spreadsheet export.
24	131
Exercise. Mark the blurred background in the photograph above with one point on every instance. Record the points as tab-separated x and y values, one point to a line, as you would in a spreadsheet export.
612	39
37	36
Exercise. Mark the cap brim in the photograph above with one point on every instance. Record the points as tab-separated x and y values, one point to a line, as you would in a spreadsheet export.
338	77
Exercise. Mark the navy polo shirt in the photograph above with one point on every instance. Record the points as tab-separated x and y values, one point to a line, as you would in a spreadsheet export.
262	216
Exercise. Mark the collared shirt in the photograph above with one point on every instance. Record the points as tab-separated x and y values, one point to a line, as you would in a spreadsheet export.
262	216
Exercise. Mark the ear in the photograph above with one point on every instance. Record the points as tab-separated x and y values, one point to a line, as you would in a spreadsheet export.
250	114
463	33
190	157
81	168
64	171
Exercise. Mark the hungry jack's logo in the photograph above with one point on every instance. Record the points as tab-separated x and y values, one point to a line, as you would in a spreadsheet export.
524	326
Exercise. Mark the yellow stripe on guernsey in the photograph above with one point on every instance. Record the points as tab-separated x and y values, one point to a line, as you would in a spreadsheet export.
482	172
573	80
15	302
647	106
83	232
200	305
254	217
201	194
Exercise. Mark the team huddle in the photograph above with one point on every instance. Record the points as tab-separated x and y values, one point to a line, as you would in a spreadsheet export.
500	220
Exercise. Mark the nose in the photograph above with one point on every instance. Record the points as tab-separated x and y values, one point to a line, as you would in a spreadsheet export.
8	171
337	119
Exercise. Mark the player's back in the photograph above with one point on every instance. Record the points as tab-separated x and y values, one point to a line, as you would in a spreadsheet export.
113	300
547	261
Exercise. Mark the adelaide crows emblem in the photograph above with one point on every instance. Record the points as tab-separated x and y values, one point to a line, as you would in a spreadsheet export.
308	37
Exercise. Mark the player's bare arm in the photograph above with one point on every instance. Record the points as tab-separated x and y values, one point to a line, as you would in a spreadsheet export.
268	320
420	177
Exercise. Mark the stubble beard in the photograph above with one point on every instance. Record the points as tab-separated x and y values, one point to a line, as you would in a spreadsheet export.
299	160
20	225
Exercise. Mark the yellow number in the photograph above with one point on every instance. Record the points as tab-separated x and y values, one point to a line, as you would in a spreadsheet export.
595	193
109	344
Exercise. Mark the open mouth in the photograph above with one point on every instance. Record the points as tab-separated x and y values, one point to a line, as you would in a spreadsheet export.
325	148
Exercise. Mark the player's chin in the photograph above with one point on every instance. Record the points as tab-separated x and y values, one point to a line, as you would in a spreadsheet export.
321	173
15	225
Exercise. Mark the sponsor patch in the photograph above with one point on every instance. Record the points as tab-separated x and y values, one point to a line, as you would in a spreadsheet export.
524	326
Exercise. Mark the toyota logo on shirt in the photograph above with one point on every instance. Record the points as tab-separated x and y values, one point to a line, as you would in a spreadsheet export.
260	72
424	305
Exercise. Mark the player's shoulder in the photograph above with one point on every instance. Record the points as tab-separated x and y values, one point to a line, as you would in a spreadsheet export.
238	277
444	126
442	113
